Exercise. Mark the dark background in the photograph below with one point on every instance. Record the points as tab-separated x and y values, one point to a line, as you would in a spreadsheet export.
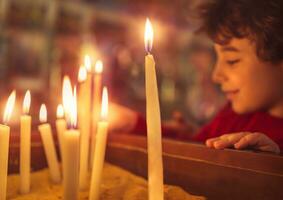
41	41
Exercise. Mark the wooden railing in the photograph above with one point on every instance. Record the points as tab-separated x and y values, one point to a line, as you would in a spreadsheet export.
216	174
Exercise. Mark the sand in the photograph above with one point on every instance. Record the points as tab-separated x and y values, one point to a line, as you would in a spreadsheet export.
117	184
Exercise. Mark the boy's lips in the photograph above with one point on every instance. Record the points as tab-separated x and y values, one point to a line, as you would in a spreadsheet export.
231	94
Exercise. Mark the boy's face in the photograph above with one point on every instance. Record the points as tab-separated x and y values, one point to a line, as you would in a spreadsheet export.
249	83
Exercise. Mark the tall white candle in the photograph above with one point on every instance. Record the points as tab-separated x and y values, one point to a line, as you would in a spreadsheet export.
25	140
4	145
71	145
71	164
96	105
49	147
4	149
84	125
60	127
154	145
100	147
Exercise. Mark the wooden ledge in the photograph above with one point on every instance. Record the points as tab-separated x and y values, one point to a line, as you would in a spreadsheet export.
216	174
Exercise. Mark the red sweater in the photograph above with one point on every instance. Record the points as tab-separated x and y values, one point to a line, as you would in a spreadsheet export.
227	121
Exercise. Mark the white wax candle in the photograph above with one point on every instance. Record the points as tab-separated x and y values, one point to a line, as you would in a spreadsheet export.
49	147
71	145
84	118
71	164
25	140
60	127
100	147
25	154
154	145
4	149
101	138
96	106
4	145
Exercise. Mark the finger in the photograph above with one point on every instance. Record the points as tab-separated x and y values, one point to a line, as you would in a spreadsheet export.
225	140
234	137
222	143
228	140
251	139
270	148
209	142
258	141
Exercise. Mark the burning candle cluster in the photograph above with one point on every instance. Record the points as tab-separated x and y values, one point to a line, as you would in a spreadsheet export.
4	144
82	127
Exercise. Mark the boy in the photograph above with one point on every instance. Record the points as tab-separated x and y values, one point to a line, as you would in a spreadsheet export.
249	68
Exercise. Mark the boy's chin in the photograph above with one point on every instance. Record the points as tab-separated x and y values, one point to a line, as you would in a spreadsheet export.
241	109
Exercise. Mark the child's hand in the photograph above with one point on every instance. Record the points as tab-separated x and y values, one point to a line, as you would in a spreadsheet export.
177	124
243	140
121	118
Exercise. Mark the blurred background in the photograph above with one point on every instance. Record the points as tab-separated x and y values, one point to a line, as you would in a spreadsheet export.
41	41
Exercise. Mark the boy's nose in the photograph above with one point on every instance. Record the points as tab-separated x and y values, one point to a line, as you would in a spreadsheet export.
218	75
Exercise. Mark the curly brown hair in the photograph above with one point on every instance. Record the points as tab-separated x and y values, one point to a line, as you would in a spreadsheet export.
261	21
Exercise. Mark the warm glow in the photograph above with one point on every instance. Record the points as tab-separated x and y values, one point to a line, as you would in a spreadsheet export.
67	95
148	36
60	111
104	104
43	114
98	67
9	107
82	74
73	110
70	103
87	63
26	103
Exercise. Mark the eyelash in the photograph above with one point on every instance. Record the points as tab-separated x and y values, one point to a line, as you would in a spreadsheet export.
233	62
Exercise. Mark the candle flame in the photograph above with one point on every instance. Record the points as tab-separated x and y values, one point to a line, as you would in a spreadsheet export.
66	94
98	67
82	74
9	107
70	103
148	36
26	103
104	104
43	114
73	110
87	63
60	111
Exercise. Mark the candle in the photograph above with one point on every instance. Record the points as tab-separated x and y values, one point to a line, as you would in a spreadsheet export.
60	127
25	146
96	105
49	147
84	125
71	144
154	145
4	145
100	147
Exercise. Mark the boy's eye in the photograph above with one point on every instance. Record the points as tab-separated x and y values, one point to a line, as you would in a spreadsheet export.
233	62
